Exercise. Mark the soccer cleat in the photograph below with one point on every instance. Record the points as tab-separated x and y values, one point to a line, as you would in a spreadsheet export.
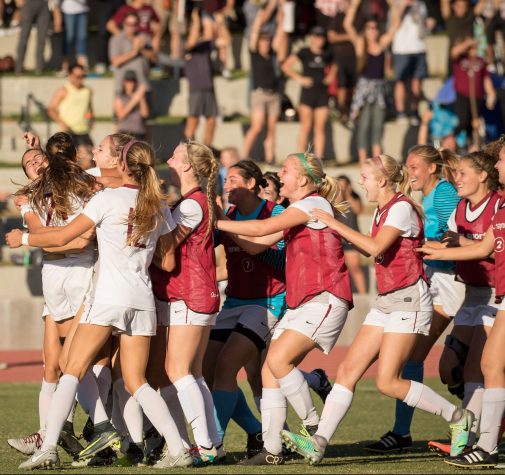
324	384
41	459
460	431
311	448
390	443
27	445
68	441
264	458
202	456
88	430
183	459
103	458
475	458
100	441
308	431
254	444
154	445
221	454
134	457
439	448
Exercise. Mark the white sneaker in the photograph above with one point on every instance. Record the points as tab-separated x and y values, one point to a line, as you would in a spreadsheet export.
183	459
41	459
27	445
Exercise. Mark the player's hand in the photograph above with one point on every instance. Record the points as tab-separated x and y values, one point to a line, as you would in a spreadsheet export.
430	253
323	216
451	239
13	238
306	81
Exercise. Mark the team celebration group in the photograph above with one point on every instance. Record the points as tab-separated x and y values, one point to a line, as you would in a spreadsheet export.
136	333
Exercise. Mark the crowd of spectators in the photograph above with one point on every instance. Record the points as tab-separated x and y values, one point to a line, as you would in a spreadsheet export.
357	61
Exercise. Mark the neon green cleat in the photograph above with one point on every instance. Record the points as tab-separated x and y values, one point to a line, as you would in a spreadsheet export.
311	448
460	431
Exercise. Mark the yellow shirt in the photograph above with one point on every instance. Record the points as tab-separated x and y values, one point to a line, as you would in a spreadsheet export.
74	108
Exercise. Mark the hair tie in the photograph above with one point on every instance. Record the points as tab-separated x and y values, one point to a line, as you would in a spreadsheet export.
125	151
378	163
301	157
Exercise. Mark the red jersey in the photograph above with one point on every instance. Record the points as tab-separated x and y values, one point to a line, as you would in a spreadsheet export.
499	247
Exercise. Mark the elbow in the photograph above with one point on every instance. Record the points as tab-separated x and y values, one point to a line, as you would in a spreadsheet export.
374	252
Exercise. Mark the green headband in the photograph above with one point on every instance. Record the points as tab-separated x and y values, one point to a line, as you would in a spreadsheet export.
301	157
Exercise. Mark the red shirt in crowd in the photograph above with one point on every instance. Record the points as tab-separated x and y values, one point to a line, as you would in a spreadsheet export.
146	15
466	68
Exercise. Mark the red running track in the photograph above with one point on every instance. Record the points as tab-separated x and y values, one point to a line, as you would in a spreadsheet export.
26	365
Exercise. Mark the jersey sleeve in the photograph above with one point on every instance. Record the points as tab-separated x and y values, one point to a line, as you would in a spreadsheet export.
402	216
189	214
444	203
95	208
278	209
451	222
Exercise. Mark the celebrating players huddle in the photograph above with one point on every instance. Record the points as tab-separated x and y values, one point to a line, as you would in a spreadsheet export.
134	329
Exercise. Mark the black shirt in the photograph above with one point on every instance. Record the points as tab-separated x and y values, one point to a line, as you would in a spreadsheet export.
263	71
314	66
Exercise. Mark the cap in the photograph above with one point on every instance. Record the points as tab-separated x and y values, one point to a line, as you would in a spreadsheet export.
318	31
130	75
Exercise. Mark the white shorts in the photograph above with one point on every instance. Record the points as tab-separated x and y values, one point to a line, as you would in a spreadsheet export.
320	321
445	291
478	308
178	313
255	318
127	320
65	285
400	322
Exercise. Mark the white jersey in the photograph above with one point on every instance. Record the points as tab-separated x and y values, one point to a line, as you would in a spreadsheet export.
123	278
308	204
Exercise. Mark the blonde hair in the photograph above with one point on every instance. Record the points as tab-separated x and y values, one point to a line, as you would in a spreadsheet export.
117	142
311	167
396	174
205	168
443	159
139	159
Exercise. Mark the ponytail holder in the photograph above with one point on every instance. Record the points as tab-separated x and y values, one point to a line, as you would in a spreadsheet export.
125	151
378	163
303	160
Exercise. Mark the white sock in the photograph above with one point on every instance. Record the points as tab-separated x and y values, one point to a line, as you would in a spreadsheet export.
156	410
473	402
493	405
193	405
132	412
169	395
89	398
274	410
335	408
257	403
313	380
297	392
209	412
104	380
45	396
423	397
117	414
61	404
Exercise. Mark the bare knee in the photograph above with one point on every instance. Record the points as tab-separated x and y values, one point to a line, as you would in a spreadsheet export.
387	385
177	369
133	383
345	376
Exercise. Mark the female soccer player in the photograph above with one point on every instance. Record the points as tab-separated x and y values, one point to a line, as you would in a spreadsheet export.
129	221
402	310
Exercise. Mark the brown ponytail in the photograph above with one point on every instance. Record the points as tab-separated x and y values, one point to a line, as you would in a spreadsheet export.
445	160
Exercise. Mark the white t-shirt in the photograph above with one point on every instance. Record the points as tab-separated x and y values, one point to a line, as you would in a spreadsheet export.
123	278
188	213
95	171
402	216
308	204
411	35
72	7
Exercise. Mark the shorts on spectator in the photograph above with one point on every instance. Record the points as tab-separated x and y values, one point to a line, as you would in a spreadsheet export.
408	66
123	320
202	103
478	308
82	139
314	98
267	101
320	321
400	322
178	313
445	291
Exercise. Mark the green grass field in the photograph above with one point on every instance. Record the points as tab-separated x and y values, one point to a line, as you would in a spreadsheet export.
370	416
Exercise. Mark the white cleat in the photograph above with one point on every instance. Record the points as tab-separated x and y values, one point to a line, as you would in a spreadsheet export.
41	459
27	445
183	459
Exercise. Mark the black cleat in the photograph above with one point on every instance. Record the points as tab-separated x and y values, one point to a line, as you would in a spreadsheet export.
68	441
264	457
390	443
324	384
254	444
475	458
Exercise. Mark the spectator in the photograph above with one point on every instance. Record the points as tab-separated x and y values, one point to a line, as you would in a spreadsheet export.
106	8
198	70
75	19
318	72
131	108
351	254
369	100
494	17
70	107
265	96
148	26
252	7
409	58
473	86
217	12
33	11
437	128
272	190
129	50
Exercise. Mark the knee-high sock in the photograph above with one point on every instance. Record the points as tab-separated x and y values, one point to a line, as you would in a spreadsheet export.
274	410
156	410
423	397
296	390
89	398
131	411
193	405
45	396
117	414
104	381
169	395
413	370
335	408
61	405
493	405
224	402
473	402
209	412
243	415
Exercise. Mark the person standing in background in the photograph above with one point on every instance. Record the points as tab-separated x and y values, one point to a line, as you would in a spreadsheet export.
75	19
106	8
